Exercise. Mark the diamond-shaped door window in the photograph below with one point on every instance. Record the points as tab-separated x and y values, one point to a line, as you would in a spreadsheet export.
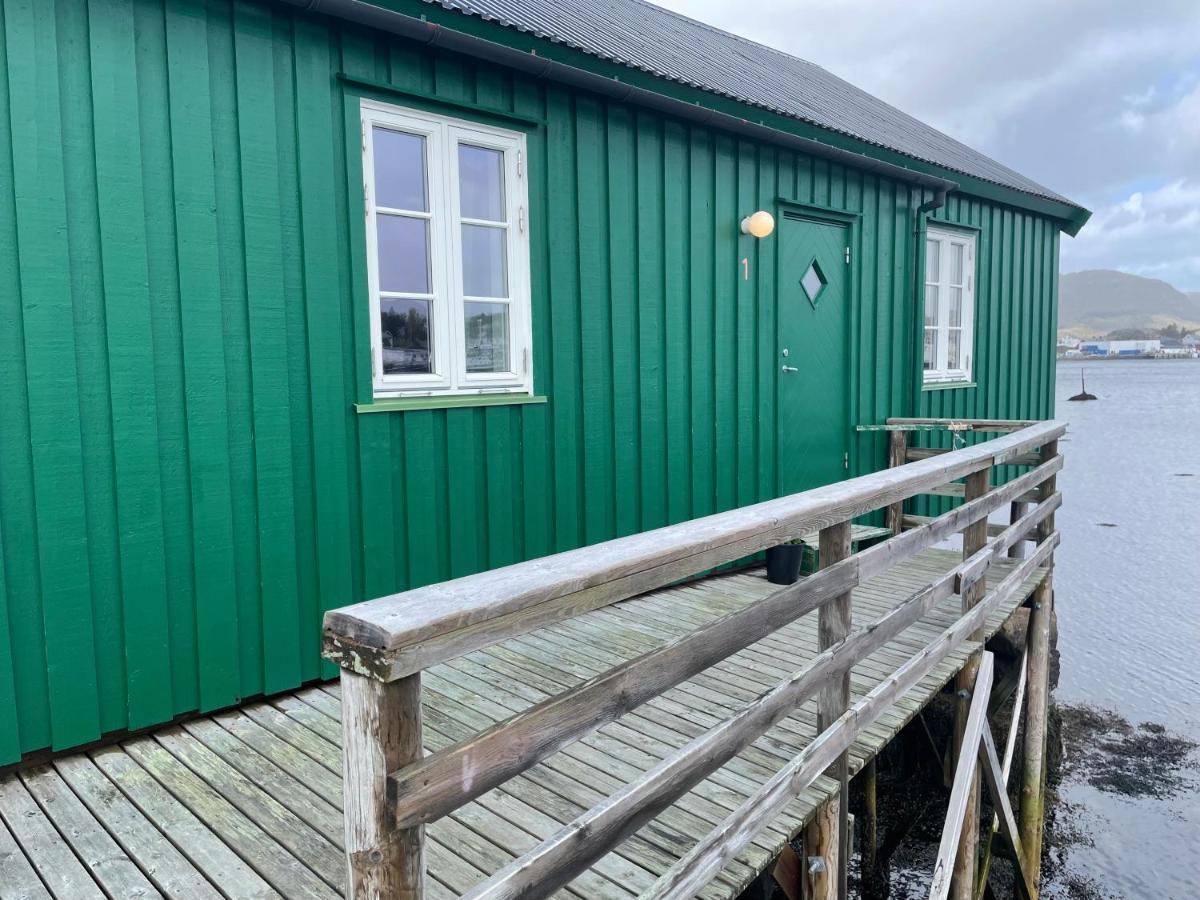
813	281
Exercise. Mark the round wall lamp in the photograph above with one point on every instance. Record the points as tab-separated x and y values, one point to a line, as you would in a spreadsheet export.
759	224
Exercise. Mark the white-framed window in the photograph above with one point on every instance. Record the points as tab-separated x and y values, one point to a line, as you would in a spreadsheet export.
447	254
949	308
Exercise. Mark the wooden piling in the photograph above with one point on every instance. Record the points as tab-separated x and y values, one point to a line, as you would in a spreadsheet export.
1033	772
381	732
962	886
826	836
870	829
1033	768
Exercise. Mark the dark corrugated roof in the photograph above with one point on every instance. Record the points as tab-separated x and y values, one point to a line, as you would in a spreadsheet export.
643	36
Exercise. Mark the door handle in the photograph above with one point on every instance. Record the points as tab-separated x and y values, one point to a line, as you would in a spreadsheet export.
788	370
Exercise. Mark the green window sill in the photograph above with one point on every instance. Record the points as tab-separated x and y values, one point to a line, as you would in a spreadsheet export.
947	385
402	404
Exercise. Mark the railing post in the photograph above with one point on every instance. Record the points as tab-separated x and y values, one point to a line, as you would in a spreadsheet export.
1037	641
1017	509
827	837
897	455
962	886
381	732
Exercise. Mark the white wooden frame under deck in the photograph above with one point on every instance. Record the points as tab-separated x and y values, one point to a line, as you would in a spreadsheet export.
382	646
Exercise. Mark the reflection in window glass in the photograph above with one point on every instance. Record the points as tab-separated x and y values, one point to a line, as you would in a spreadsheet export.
484	261
930	348
956	264
404	325
933	260
481	183
486	327
400	170
931	304
403	254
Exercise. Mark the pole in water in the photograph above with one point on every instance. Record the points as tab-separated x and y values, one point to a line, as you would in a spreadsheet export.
1083	394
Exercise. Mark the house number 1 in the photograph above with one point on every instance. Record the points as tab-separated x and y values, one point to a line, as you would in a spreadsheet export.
745	268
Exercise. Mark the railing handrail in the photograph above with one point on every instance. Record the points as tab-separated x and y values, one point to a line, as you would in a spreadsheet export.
400	634
438	784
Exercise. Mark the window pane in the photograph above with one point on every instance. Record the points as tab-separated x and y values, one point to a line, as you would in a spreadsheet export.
931	305
930	348
481	183
956	302
487	337
956	263
399	170
933	259
485	265
403	254
405	328
953	360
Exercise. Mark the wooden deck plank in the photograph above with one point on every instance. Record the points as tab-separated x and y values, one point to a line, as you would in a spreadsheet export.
172	873
324	782
187	832
279	868
18	880
47	850
303	739
317	853
275	781
105	860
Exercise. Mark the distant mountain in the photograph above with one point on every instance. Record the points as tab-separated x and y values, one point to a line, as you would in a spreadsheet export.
1099	300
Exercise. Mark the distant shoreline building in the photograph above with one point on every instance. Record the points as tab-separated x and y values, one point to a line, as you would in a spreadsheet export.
1132	348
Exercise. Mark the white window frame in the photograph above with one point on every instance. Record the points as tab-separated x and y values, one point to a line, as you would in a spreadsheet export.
447	301
942	372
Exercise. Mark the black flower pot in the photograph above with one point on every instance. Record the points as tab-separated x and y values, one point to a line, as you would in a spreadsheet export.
783	563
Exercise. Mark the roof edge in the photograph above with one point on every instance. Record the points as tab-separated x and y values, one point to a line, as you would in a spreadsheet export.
423	21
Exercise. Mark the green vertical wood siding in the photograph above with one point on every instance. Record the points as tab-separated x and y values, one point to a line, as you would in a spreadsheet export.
184	483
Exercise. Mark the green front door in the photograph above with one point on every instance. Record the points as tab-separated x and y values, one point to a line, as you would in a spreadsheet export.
812	366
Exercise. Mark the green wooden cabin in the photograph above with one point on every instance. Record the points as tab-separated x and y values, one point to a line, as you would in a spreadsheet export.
299	308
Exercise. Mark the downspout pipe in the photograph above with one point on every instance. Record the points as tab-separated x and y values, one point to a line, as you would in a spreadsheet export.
937	201
434	35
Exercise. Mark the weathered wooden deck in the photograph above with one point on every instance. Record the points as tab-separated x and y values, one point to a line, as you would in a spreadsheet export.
247	803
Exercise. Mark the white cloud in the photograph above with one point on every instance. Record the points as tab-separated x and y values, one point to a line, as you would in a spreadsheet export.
1097	99
1153	232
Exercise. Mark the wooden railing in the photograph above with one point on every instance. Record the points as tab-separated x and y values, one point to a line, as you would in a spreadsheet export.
391	790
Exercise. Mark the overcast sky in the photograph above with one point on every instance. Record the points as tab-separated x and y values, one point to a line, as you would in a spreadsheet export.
1096	99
